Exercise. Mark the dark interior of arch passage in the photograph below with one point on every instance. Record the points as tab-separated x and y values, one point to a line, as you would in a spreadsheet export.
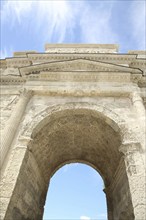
65	137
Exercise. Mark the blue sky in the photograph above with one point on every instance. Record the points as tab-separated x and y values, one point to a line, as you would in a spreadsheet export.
28	25
76	193
75	190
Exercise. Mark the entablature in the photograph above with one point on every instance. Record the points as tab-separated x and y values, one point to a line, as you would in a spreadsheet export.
139	63
75	90
16	62
33	58
77	65
112	58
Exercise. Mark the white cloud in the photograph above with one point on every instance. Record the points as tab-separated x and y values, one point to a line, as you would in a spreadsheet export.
72	21
85	218
15	11
49	18
3	54
6	53
54	18
61	20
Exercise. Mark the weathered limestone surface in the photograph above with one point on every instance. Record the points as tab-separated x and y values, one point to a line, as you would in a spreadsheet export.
73	103
7	102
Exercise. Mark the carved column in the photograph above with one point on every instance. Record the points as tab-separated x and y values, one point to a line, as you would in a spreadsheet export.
9	132
136	177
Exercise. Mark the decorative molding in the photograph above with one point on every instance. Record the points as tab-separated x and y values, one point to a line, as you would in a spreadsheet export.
62	108
17	62
139	62
77	65
81	48
81	76
128	147
11	80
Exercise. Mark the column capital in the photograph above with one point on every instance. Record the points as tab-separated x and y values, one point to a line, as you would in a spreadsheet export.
128	147
26	93
135	96
24	142
138	103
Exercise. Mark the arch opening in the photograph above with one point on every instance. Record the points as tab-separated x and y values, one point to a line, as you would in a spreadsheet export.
75	191
78	135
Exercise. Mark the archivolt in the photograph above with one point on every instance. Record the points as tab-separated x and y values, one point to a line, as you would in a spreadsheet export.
58	111
110	117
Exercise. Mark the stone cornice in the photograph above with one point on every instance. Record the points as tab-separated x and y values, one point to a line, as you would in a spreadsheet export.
10	80
79	48
77	65
23	53
104	46
141	52
112	58
45	57
3	64
127	59
140	63
18	62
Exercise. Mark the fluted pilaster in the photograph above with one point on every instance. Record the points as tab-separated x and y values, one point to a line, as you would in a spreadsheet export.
9	131
136	177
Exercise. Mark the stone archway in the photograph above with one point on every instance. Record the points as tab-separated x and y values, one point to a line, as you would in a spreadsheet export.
84	105
70	135
75	192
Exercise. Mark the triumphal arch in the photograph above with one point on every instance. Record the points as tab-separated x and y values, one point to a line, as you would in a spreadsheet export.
73	103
